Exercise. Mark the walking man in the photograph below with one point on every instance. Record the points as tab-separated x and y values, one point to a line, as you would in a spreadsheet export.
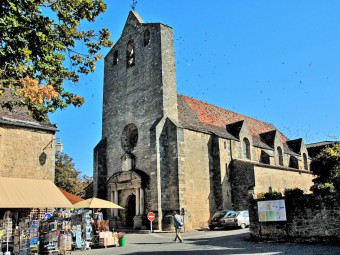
178	223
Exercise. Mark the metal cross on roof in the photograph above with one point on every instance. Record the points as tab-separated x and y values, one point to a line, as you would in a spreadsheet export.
133	5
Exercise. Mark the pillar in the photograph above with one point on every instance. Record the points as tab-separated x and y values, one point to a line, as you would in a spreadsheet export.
115	196
141	201
112	200
137	201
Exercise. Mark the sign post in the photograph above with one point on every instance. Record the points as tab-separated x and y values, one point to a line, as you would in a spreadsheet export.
272	210
151	217
183	214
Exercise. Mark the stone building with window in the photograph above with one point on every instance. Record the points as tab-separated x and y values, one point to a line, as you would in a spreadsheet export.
27	146
161	151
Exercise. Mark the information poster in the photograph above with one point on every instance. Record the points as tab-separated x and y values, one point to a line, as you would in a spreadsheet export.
272	210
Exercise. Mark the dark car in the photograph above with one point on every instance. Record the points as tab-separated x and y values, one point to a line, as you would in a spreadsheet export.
216	220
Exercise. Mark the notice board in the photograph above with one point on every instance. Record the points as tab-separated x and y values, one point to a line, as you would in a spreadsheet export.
272	210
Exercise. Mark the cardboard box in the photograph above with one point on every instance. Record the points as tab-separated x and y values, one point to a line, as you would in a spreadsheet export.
105	234
110	241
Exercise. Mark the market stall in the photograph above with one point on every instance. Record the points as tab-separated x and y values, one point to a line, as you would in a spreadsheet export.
19	227
101	235
29	227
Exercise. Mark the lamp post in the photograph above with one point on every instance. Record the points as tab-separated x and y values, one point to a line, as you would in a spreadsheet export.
58	146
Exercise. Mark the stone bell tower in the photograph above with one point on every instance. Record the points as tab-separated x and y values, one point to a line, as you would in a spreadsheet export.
139	95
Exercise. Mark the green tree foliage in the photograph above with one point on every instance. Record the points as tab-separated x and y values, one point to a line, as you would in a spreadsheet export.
67	177
36	39
326	166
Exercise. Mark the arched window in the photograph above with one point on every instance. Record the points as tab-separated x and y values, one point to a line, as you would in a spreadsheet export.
130	54
246	148
265	159
115	58
305	162
279	156
146	37
293	162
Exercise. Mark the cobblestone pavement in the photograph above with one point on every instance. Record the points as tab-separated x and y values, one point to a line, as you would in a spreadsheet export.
209	242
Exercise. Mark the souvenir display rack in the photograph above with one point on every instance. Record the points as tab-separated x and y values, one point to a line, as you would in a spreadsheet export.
22	237
87	225
34	236
56	234
49	236
7	231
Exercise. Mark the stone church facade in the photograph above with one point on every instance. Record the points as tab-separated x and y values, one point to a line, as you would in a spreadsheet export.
161	151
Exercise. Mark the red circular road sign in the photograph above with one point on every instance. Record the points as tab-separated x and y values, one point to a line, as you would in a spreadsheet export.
151	216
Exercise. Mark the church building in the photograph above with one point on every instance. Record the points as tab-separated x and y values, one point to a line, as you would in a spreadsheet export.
161	151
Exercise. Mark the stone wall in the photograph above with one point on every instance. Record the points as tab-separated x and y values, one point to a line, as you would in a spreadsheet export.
310	218
169	169
249	177
100	170
282	178
197	179
27	153
88	193
242	181
225	158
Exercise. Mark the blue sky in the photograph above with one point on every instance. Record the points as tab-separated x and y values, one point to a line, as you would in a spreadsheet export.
277	61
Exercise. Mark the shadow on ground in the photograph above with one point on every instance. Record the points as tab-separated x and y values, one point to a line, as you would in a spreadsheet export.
241	244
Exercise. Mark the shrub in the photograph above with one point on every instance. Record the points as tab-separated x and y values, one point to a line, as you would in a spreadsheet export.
270	195
294	192
323	188
326	167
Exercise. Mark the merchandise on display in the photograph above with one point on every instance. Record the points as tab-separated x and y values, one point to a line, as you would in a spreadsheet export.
57	232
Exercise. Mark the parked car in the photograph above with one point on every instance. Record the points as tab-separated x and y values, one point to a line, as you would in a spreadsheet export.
216	219
236	219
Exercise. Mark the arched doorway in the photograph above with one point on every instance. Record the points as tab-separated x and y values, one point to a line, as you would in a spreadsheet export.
131	210
127	189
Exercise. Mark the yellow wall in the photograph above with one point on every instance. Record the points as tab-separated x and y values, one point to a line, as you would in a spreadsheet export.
280	180
22	153
197	179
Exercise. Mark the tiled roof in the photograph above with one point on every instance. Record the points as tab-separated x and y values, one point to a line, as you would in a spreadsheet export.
72	198
19	114
201	116
193	112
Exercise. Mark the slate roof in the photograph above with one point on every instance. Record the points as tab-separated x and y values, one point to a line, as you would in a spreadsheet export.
295	145
323	143
315	148
197	115
19	115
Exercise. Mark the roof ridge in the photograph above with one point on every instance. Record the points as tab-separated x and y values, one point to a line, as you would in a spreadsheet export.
229	111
